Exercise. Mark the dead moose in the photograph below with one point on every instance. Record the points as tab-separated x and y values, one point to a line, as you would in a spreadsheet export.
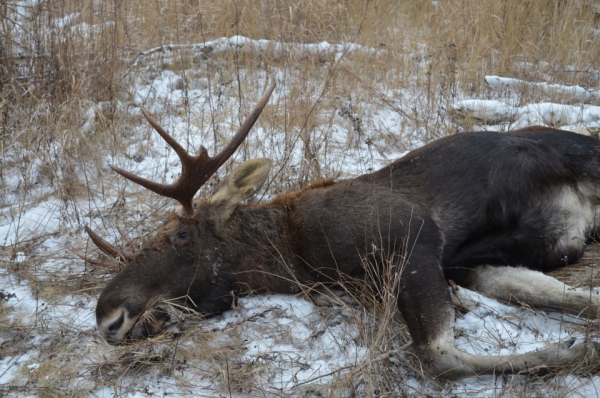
487	210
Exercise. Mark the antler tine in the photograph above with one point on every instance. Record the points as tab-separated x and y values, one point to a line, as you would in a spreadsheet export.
106	247
170	140
178	190
243	131
196	170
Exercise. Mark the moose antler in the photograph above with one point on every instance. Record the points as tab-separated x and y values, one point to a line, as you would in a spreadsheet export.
106	247
196	170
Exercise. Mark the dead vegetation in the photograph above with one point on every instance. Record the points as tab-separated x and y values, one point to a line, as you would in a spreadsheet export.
70	75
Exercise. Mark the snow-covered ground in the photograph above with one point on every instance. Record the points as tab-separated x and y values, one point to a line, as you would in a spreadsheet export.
276	345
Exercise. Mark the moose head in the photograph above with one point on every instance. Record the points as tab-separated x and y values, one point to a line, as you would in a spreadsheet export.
184	260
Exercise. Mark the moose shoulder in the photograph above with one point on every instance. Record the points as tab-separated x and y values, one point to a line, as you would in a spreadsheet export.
441	211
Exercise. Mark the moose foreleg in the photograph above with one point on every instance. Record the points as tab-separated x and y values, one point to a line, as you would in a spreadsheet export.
525	286
447	362
426	305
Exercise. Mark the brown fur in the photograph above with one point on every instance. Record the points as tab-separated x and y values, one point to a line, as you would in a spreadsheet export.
287	199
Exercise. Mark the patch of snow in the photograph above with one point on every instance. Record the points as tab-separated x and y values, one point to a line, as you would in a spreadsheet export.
244	45
570	92
544	113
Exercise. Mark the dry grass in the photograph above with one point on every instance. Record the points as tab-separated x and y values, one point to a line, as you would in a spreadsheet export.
584	274
67	73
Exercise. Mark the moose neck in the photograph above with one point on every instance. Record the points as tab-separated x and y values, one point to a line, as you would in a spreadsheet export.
260	251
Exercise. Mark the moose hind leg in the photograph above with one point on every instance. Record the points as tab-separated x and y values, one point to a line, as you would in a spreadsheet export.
530	287
426	305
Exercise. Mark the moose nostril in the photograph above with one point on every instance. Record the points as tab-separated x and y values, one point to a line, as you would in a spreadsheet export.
116	325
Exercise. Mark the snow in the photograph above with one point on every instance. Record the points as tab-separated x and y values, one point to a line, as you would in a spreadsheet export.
245	45
10	365
37	220
570	92
286	337
569	117
501	115
492	328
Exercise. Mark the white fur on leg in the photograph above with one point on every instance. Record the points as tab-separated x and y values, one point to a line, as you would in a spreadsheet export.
525	286
447	362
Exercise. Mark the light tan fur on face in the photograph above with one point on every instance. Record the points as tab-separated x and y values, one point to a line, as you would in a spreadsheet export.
120	333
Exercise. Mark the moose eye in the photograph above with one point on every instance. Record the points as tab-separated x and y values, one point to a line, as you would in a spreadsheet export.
183	234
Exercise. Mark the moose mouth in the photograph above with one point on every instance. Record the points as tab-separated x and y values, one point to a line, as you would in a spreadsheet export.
152	322
121	328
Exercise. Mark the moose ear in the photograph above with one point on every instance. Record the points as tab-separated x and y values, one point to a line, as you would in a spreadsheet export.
242	183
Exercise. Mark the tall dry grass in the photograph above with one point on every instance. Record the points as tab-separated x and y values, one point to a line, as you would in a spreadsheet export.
65	49
55	54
